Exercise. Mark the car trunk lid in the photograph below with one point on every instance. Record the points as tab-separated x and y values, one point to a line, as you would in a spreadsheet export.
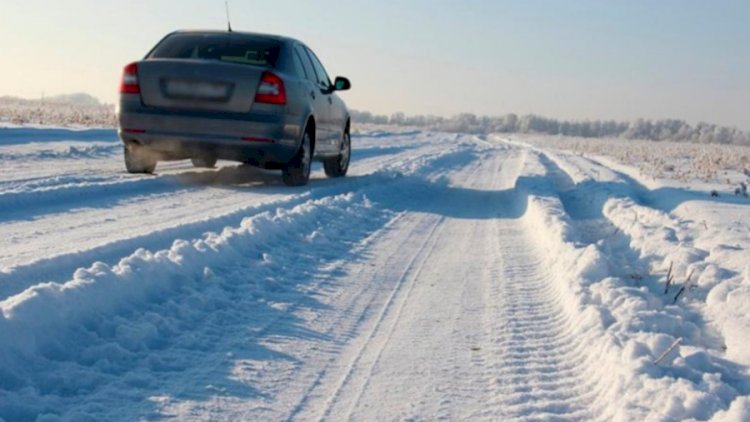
204	85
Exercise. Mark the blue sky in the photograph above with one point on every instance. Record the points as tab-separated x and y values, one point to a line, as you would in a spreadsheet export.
686	59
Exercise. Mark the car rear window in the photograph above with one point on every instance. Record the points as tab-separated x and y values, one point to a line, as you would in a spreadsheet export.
242	49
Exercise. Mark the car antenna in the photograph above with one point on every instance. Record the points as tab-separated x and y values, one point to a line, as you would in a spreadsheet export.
229	24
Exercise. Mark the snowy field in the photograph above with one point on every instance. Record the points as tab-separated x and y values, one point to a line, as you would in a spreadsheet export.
727	165
448	277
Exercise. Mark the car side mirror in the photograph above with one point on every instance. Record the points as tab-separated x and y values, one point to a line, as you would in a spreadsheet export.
342	83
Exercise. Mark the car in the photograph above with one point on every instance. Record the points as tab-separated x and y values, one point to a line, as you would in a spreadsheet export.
260	99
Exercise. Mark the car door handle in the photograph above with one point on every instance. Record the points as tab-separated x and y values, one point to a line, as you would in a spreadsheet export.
312	94
330	100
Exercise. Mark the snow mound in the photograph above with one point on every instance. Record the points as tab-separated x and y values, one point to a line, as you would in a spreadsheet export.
649	353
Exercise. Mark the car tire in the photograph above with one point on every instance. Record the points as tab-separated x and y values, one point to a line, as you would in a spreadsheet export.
297	171
138	160
204	162
337	167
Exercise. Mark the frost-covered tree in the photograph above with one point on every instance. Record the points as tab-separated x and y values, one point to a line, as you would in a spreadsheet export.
658	130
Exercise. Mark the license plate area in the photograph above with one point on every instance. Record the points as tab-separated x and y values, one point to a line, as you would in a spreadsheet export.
185	89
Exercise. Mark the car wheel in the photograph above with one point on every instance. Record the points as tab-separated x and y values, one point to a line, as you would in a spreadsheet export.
297	171
337	167
204	162
139	160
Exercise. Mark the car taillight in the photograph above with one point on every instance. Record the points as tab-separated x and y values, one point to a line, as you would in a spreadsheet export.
129	84
270	90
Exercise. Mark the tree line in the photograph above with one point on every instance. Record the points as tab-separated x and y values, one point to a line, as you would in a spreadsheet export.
654	130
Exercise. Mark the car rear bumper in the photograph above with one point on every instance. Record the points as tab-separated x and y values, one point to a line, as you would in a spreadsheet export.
264	136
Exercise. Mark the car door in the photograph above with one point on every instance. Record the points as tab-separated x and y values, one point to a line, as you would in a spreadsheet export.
320	103
339	116
327	91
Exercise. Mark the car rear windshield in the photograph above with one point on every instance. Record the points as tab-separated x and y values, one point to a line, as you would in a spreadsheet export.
232	48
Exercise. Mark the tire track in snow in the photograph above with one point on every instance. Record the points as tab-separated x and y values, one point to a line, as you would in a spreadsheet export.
53	193
540	374
385	321
486	305
340	327
352	383
290	378
111	189
467	369
58	268
315	381
361	315
76	193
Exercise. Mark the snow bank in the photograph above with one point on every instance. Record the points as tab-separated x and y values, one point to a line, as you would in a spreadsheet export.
648	355
62	339
717	280
31	319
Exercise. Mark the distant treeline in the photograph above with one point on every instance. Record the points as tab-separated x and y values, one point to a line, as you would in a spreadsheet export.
63	110
654	130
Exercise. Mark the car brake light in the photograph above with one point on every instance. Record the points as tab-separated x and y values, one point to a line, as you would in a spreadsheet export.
129	84
270	90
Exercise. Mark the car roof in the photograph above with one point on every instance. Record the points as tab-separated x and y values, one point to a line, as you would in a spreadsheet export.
254	34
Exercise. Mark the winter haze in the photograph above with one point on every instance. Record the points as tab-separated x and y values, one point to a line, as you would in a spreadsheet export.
684	59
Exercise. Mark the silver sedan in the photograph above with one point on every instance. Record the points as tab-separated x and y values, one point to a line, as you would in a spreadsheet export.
259	99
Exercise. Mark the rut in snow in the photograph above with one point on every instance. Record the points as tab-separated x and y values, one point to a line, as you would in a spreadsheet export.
541	372
474	327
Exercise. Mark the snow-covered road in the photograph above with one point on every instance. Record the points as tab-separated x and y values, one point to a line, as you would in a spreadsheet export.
448	277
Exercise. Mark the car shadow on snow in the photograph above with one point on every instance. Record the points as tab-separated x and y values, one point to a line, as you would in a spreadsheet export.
28	205
231	176
415	194
582	200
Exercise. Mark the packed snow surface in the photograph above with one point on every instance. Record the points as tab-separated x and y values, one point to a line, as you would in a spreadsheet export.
447	277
